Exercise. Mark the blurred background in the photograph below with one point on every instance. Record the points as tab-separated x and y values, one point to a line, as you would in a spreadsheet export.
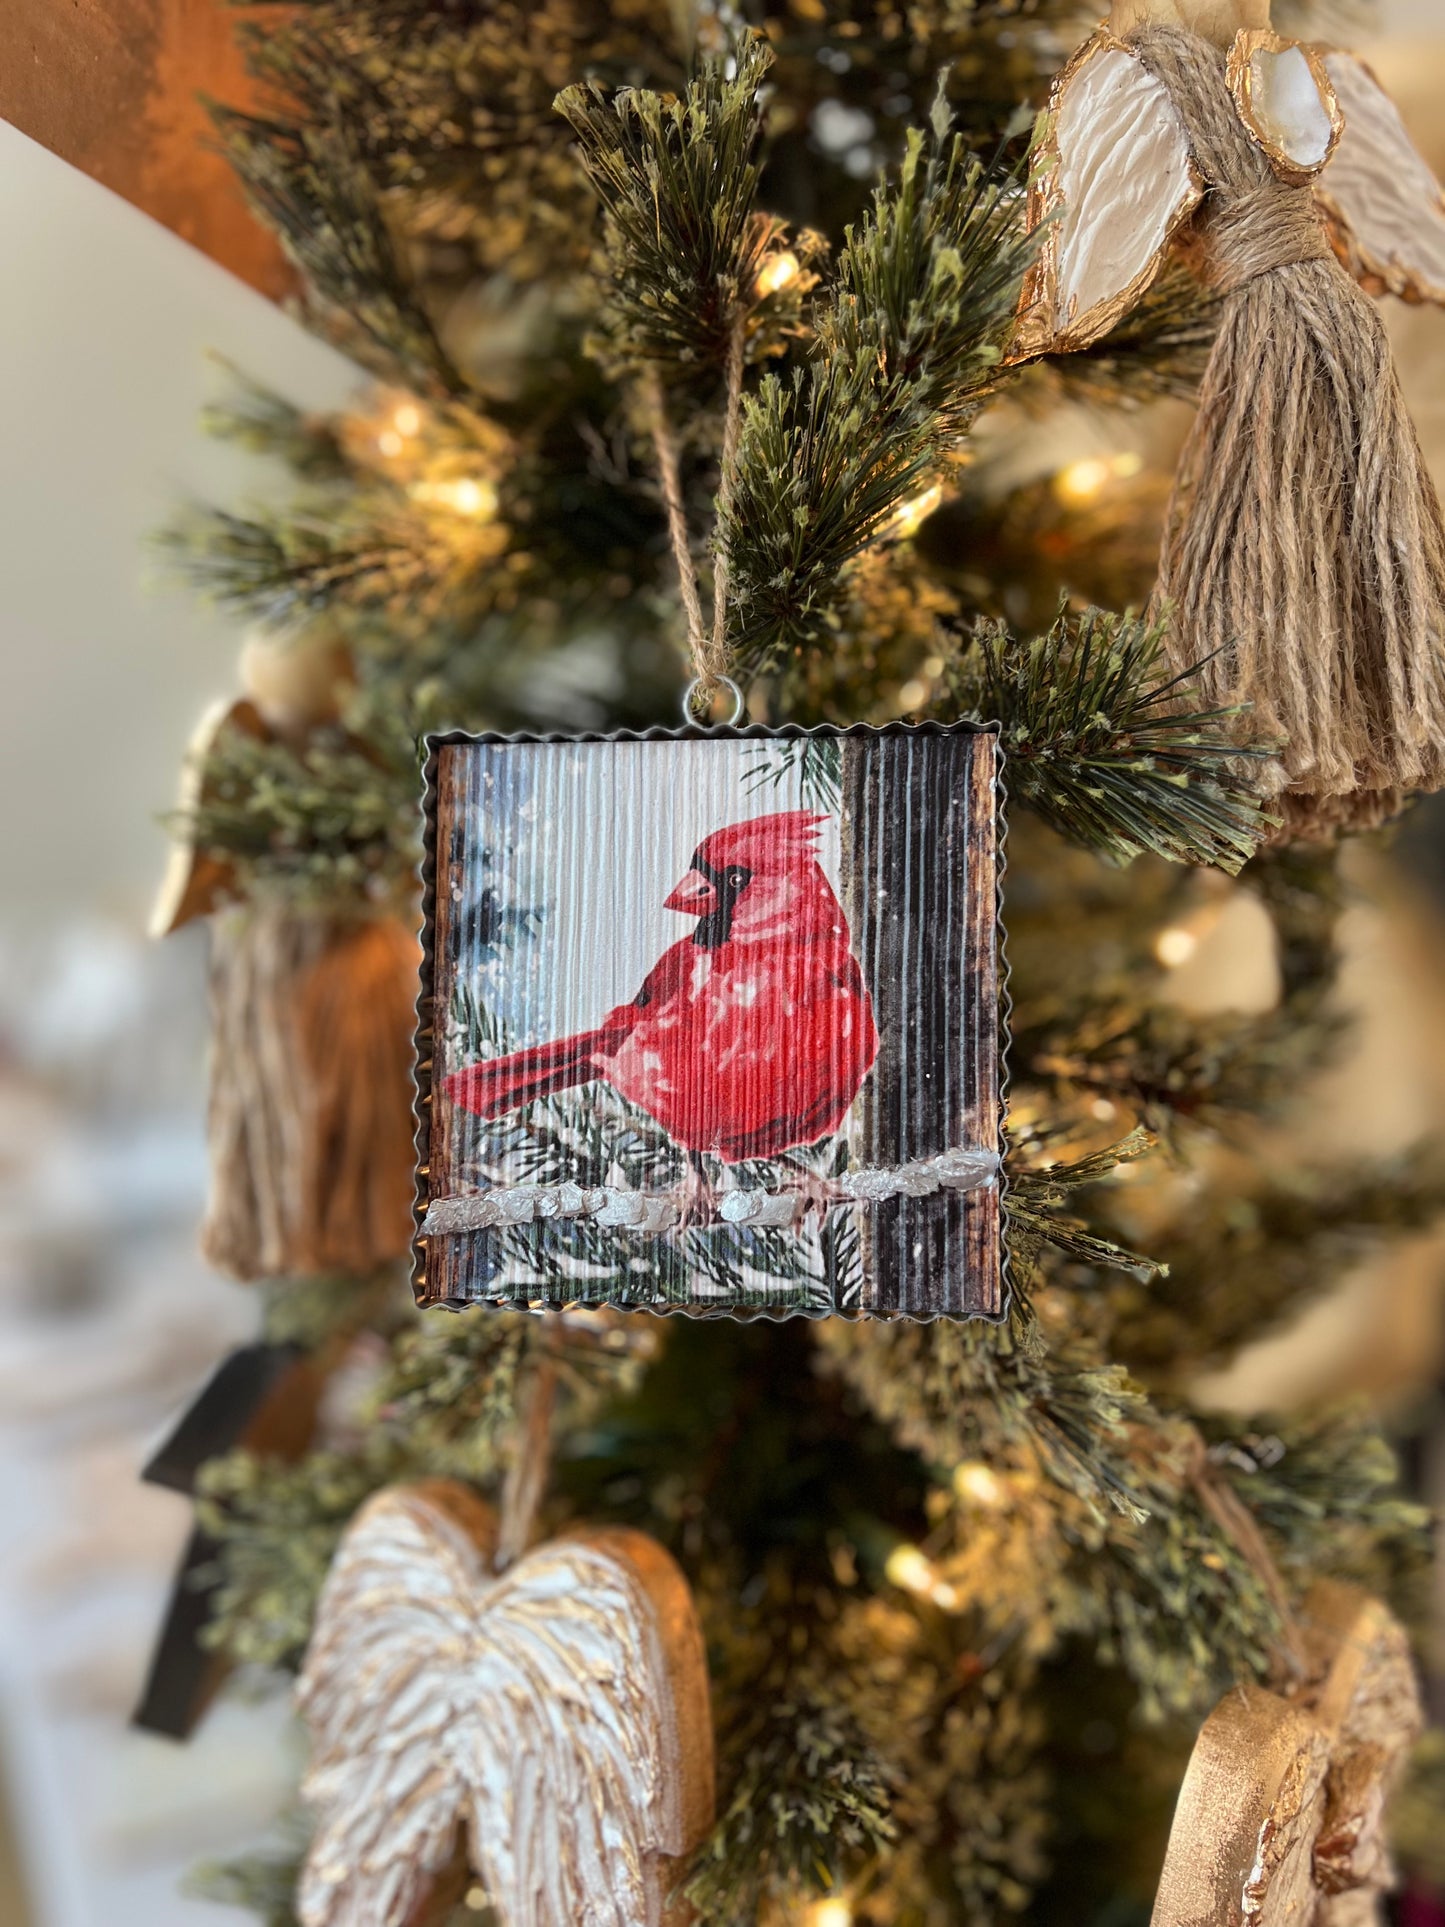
108	1318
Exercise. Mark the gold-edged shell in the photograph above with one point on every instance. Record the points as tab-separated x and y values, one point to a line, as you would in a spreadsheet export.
1287	101
1054	318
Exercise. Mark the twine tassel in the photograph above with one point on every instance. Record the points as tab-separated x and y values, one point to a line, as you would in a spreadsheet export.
1304	552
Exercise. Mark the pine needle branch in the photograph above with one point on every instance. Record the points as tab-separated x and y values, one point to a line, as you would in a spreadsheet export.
309	182
1171	1068
1141	1563
256	418
1252	1255
449	109
810	1800
677	179
907	344
1097	743
1035	1220
263	1884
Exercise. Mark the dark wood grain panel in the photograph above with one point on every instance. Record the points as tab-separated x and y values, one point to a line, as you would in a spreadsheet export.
922	882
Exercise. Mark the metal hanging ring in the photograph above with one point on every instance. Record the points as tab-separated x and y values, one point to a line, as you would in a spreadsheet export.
714	683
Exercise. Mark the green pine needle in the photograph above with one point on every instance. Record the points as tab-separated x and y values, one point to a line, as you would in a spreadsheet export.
678	179
811	1802
308	180
1096	740
907	344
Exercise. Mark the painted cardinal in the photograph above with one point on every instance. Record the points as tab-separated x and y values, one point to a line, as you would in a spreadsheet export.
747	1038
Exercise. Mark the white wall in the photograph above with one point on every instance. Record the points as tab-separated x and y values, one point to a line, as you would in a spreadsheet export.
105	323
108	1319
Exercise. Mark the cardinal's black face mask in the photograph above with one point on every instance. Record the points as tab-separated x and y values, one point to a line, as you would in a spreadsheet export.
715	928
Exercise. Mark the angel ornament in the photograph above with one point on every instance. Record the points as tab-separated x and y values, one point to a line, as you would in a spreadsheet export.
1303	560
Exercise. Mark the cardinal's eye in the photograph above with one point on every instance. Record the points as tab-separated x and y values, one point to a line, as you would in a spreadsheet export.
736	879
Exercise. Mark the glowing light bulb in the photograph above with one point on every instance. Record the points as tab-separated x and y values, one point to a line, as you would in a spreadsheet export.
913	514
911	1569
977	1484
1082	481
407	419
830	1913
469	496
1175	946
776	273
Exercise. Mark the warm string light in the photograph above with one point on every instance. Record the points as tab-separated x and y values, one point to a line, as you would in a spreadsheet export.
777	272
911	1570
916	691
1175	946
911	517
1081	482
470	496
1177	943
978	1484
403	426
833	1912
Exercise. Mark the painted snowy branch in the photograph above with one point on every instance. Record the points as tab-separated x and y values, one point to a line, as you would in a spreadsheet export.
650	1212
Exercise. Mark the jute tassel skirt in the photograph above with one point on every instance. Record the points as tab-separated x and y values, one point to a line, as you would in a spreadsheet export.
1304	556
311	1128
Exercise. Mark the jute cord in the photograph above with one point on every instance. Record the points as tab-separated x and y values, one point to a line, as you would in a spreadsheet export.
1303	553
531	1462
707	646
665	442
310	1121
732	431
1238	1524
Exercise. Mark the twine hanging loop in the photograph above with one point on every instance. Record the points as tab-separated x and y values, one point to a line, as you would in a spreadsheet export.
707	645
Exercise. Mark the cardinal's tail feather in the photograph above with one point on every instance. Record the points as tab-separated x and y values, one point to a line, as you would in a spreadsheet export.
499	1084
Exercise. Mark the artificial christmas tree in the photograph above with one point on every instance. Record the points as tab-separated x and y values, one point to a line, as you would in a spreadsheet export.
742	423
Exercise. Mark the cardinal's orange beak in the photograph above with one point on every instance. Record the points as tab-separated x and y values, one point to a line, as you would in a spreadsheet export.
694	896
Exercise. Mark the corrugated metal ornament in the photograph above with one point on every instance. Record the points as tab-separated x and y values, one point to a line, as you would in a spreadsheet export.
711	1021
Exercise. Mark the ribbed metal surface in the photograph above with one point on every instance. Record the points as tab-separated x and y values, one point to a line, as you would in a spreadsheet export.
821	853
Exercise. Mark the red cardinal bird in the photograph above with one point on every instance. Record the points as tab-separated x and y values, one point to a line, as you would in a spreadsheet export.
748	1037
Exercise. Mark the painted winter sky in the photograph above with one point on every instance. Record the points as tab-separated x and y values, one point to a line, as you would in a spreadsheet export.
595	837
